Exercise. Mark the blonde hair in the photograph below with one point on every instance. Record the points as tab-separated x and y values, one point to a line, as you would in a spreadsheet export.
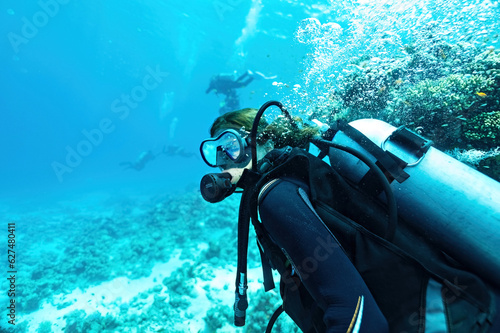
280	131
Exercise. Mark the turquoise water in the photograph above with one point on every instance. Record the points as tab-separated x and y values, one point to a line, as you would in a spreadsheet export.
87	86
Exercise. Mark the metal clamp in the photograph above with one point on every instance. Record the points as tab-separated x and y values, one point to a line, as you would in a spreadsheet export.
416	143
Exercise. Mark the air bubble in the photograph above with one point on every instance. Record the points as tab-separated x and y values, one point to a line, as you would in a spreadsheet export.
330	30
309	30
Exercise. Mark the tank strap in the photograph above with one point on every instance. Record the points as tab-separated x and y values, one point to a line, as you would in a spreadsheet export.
328	136
370	184
381	155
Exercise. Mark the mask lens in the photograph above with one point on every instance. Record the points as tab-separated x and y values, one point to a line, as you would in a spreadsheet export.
209	153
225	148
231	145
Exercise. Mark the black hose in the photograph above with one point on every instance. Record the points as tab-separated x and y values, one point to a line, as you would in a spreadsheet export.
255	126
391	200
273	319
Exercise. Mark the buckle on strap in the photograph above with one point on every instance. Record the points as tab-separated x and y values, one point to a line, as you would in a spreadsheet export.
415	143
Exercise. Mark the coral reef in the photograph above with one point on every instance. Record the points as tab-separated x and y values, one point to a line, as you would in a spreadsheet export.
103	248
128	242
484	129
443	107
216	317
77	322
449	92
45	327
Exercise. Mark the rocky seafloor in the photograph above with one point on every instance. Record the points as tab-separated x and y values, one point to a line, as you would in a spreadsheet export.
159	264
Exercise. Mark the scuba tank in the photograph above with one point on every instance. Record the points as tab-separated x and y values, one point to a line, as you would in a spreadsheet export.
453	206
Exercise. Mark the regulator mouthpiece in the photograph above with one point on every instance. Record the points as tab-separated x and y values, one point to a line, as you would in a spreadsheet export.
215	187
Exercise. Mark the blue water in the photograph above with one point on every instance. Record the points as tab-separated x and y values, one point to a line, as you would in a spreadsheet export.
85	86
64	79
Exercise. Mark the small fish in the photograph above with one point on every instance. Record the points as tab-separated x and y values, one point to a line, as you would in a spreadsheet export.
481	94
382	89
398	82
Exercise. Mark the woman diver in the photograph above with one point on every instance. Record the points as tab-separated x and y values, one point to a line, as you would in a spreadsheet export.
348	262
315	256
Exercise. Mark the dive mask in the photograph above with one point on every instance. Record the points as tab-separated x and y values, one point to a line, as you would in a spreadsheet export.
228	150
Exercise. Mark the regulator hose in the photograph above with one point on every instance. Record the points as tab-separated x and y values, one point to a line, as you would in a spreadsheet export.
391	199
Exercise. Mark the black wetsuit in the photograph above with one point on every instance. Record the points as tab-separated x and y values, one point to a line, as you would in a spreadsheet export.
323	267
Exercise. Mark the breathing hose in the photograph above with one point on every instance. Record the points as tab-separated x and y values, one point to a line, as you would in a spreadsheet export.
391	200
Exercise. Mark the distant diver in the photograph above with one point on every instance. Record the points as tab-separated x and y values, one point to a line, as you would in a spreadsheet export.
176	150
147	156
141	161
227	84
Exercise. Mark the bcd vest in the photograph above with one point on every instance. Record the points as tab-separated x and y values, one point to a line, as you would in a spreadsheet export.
396	269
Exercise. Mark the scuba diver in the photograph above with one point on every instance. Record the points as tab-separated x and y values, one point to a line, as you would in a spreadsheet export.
140	162
227	84
349	260
147	156
176	150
